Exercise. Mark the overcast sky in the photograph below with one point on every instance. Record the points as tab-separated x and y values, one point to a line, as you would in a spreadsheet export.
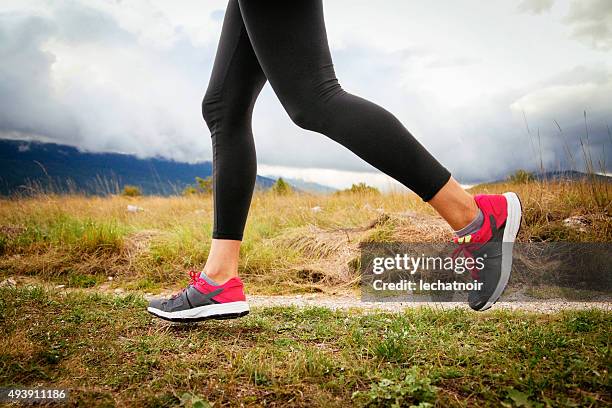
475	81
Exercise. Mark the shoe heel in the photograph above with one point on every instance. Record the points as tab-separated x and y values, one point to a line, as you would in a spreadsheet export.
513	223
515	215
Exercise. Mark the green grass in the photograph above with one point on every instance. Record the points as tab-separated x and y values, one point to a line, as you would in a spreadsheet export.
109	351
81	235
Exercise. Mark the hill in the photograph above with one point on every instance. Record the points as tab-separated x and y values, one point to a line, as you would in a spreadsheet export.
557	175
302	185
569	175
68	169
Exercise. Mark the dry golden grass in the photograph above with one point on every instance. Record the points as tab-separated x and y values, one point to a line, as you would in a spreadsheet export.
547	205
295	242
17	344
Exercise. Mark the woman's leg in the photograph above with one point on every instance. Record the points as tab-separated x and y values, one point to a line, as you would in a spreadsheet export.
234	85
290	41
227	107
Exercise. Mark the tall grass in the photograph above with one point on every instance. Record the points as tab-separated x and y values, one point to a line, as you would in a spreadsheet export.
598	188
293	242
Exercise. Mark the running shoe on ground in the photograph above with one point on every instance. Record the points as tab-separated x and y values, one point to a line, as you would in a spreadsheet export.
202	301
493	244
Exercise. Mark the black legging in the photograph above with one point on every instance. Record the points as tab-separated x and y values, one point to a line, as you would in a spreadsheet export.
285	42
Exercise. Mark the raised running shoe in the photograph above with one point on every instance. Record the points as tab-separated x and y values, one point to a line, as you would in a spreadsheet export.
201	300
493	243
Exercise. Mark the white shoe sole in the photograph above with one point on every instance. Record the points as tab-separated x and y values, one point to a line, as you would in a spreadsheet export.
513	223
219	311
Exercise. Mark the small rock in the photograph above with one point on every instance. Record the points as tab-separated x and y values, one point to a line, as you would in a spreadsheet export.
110	278
577	222
118	291
134	208
316	209
60	286
10	283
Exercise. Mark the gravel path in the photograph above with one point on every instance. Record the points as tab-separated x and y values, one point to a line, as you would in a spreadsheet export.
351	302
345	302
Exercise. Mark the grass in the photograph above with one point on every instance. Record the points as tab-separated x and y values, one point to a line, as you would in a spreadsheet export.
547	204
288	240
109	351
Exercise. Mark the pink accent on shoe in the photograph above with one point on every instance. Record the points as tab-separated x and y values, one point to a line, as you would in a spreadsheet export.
489	204
233	290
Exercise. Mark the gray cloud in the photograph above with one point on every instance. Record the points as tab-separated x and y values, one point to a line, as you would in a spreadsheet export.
51	87
541	123
27	103
591	21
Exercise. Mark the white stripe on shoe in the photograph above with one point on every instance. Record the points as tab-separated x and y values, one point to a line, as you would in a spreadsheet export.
203	312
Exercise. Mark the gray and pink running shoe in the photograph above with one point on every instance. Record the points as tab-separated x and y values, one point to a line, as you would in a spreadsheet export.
201	300
493	243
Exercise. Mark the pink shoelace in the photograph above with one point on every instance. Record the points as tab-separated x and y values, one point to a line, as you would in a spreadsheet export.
467	250
194	275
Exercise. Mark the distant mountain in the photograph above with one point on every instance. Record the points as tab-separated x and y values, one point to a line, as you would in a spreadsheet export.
569	175
309	186
66	168
559	175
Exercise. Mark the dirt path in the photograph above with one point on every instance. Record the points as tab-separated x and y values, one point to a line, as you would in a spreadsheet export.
352	302
345	301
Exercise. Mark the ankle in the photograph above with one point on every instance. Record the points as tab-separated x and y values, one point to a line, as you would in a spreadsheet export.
473	226
466	217
455	205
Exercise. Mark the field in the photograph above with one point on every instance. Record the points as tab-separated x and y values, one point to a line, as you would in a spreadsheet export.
75	270
294	243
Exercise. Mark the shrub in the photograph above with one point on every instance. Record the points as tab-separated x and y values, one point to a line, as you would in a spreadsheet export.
201	186
131	191
281	187
361	188
204	186
521	177
189	190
